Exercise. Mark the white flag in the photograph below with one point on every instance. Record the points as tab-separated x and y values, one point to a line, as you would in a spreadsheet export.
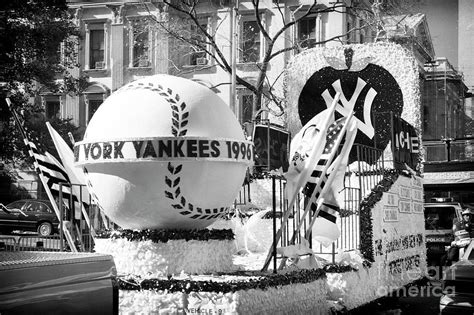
306	149
76	176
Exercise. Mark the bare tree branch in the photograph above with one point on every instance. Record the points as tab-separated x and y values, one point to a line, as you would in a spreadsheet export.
206	41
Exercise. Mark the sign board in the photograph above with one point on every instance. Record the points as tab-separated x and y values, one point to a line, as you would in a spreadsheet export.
269	138
405	144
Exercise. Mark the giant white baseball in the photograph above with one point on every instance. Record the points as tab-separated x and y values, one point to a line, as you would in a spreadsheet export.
164	152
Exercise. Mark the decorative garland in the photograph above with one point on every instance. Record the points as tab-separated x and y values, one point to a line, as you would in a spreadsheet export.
256	281
338	268
366	206
163	236
187	286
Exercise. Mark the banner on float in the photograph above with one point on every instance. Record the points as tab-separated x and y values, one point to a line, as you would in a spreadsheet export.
163	149
405	144
271	147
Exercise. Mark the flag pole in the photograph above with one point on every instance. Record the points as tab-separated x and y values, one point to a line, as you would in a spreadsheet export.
313	157
40	175
324	171
316	147
326	187
331	177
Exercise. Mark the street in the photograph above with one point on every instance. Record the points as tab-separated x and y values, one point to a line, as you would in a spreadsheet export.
420	300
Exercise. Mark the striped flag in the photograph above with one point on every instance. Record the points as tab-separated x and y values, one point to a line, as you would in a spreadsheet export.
305	150
50	172
54	173
75	176
323	196
317	182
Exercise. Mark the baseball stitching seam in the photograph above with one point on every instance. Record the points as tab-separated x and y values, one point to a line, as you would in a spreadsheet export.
179	121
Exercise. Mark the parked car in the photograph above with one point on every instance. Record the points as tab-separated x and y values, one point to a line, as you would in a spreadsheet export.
458	284
28	215
439	217
58	283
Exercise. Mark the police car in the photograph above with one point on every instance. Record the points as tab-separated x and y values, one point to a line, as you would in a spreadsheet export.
439	217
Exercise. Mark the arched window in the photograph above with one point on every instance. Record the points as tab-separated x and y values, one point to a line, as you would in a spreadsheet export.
94	96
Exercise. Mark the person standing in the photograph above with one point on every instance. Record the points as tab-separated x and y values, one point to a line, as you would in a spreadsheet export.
463	231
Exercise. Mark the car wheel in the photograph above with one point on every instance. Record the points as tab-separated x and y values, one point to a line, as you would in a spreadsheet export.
45	229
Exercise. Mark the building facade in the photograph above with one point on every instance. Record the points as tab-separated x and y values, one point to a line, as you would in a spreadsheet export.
444	109
122	41
126	40
448	102
447	138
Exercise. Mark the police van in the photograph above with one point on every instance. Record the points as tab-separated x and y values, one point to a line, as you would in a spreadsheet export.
439	218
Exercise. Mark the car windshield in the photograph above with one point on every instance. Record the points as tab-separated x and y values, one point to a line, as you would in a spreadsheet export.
16	205
439	218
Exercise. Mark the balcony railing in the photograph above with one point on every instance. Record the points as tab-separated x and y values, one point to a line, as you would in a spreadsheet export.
446	150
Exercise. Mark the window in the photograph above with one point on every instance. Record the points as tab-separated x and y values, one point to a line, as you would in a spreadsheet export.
309	30
352	29
139	44
16	205
51	104
245	103
249	42
35	206
96	45
92	108
426	119
97	50
94	96
69	49
307	33
471	253
52	109
247	107
439	218
198	56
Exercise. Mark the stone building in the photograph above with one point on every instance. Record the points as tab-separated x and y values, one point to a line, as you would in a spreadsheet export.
122	41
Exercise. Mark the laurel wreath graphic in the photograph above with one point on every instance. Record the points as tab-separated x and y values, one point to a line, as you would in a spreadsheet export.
180	203
180	116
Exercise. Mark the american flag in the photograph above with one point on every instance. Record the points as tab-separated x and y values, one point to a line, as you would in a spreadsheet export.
46	165
323	199
306	150
52	170
320	173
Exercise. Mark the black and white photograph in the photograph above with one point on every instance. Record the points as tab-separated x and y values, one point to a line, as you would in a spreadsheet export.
237	157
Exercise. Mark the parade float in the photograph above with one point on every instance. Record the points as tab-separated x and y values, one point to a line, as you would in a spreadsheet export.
164	158
381	80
